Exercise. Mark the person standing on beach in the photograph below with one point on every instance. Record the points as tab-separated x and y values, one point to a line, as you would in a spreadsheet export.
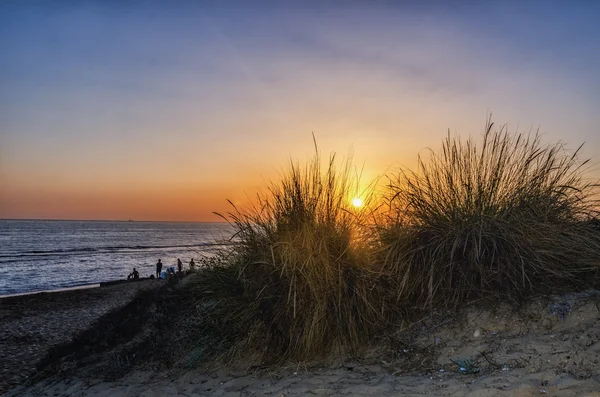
179	265
192	264
158	268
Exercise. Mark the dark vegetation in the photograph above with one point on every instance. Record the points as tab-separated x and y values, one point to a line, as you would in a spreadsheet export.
308	274
509	216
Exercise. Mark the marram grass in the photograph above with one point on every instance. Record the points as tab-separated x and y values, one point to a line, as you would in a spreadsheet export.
309	273
301	265
506	216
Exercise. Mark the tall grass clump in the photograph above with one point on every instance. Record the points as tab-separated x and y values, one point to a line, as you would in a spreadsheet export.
301	266
507	216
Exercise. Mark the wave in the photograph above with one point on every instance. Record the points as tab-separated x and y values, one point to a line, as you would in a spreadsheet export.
111	249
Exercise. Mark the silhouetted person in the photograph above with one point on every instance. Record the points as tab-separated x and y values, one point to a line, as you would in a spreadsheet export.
192	264
179	265
158	268
135	275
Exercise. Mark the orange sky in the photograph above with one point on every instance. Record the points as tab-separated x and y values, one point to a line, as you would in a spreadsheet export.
164	114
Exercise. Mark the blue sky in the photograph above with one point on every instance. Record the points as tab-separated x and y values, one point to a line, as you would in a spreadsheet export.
103	105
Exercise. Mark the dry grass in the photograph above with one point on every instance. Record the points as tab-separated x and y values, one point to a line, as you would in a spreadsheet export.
302	274
308	272
506	216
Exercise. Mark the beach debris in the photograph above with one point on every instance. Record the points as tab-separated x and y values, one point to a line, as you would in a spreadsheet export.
477	333
465	366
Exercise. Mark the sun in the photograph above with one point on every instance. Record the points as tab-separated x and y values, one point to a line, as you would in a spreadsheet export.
357	202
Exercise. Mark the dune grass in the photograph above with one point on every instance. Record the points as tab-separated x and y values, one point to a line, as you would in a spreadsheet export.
506	216
309	273
299	268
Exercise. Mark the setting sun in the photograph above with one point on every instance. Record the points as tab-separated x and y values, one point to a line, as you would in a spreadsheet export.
357	202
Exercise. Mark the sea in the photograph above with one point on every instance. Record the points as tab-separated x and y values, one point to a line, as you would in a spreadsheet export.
43	255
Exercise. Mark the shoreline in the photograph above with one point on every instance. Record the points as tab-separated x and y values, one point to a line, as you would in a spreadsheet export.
75	287
50	291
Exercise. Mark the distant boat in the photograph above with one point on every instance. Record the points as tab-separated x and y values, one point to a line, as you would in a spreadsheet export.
131	220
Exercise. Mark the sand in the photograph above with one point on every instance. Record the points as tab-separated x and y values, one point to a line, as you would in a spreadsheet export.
550	347
363	381
31	324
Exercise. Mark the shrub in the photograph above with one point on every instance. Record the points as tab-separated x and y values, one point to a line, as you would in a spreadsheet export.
302	268
502	217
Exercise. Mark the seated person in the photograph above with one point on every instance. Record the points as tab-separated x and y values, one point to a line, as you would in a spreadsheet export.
135	275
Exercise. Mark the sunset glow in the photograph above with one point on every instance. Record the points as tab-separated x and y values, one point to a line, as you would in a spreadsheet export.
156	112
356	202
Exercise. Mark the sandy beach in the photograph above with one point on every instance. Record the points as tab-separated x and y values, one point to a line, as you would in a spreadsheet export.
31	324
550	347
359	381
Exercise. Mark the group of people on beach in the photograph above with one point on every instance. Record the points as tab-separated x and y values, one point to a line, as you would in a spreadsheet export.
171	270
135	275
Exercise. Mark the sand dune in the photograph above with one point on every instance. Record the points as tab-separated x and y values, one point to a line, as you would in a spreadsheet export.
549	348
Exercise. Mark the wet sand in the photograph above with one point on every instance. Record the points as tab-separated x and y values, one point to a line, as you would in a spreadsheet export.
31	324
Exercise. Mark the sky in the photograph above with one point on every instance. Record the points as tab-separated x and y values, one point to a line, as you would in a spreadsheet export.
165	110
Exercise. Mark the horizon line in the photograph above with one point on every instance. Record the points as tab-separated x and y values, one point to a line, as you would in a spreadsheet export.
104	220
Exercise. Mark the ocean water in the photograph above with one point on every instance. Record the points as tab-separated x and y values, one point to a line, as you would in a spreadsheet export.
45	255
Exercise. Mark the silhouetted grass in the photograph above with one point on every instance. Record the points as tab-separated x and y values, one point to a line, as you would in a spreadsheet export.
509	216
301	266
506	216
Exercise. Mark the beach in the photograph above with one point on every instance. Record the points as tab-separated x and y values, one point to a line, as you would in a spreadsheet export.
31	324
549	347
244	199
364	381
